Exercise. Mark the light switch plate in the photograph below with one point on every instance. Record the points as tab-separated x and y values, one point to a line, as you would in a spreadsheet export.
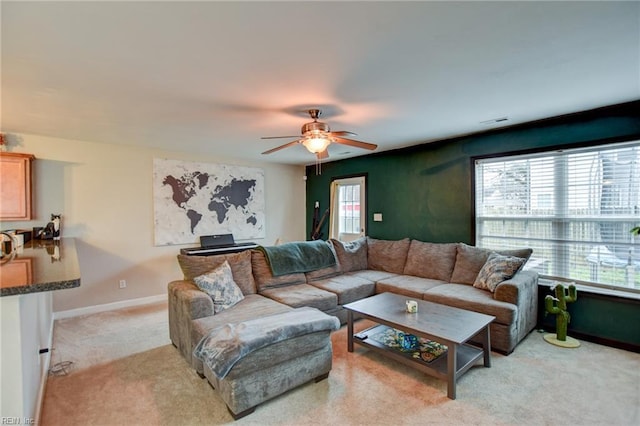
377	217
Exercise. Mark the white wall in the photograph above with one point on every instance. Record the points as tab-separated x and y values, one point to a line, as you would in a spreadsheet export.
25	329
104	193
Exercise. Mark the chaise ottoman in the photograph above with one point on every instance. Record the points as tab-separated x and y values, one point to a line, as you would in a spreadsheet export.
254	361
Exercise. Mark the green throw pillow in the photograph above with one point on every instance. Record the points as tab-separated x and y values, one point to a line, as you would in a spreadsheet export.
219	285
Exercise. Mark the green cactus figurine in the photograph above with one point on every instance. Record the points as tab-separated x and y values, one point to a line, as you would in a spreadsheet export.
562	315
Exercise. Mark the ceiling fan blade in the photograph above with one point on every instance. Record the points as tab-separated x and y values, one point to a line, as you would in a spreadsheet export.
279	137
343	133
357	144
322	155
286	145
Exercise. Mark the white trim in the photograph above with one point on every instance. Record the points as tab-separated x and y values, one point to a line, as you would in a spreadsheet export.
109	306
334	217
606	291
46	360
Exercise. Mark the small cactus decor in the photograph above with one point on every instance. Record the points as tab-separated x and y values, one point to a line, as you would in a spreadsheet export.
558	305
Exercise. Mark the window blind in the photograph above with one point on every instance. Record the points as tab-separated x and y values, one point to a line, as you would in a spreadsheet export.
573	207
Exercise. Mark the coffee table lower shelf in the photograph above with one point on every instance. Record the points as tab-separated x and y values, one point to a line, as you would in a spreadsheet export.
466	357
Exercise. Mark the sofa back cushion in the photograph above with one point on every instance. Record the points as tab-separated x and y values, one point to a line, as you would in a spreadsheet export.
431	260
352	256
327	272
264	277
470	260
387	255
240	263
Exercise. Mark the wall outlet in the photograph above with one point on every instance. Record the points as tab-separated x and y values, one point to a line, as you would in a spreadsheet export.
123	283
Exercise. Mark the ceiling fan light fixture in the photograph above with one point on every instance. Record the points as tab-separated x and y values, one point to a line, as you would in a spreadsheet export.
316	137
316	142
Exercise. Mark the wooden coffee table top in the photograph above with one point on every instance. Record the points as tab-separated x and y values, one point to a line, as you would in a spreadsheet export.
438	321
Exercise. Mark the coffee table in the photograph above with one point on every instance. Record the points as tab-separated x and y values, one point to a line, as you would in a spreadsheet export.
450	326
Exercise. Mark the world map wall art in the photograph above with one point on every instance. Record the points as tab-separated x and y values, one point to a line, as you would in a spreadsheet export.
192	199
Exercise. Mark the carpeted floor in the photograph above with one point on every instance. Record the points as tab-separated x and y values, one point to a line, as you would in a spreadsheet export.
126	371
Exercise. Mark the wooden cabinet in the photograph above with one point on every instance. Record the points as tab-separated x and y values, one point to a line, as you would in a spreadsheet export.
15	186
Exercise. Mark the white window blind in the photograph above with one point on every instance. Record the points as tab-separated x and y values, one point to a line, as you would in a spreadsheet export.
574	208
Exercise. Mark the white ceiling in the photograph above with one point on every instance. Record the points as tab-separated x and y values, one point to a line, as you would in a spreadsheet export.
213	77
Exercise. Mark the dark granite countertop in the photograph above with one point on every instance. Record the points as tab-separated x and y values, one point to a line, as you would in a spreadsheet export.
40	265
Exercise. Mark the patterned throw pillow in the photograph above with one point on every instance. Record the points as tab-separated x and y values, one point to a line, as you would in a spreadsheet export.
219	285
496	269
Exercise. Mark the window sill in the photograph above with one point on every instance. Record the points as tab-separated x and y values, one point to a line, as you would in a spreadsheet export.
542	282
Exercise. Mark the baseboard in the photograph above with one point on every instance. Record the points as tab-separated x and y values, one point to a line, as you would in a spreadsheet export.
631	347
109	306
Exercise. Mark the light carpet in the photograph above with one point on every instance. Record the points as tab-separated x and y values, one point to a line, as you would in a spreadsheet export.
126	371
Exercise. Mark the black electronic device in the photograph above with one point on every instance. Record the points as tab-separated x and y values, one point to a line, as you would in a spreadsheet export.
217	244
216	240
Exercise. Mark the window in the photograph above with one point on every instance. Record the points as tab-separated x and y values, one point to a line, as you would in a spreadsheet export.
347	220
575	208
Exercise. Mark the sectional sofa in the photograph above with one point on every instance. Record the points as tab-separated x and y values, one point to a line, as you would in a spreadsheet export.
438	272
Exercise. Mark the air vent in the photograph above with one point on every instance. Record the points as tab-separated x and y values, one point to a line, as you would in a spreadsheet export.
495	120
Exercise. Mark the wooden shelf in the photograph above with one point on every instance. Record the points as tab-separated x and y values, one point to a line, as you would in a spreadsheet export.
466	356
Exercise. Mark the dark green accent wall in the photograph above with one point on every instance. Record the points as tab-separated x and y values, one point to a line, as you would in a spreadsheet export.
425	192
597	317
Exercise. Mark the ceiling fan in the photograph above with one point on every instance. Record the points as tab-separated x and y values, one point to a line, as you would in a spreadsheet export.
317	136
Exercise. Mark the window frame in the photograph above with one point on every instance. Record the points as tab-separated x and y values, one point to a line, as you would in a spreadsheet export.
363	203
598	287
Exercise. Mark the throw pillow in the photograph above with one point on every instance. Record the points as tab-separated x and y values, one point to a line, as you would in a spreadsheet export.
219	285
352	256
496	269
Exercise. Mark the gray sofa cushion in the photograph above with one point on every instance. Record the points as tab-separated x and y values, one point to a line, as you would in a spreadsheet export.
279	352
264	279
387	255
240	263
407	285
347	288
224	346
470	260
352	256
300	295
473	299
371	275
252	306
431	260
